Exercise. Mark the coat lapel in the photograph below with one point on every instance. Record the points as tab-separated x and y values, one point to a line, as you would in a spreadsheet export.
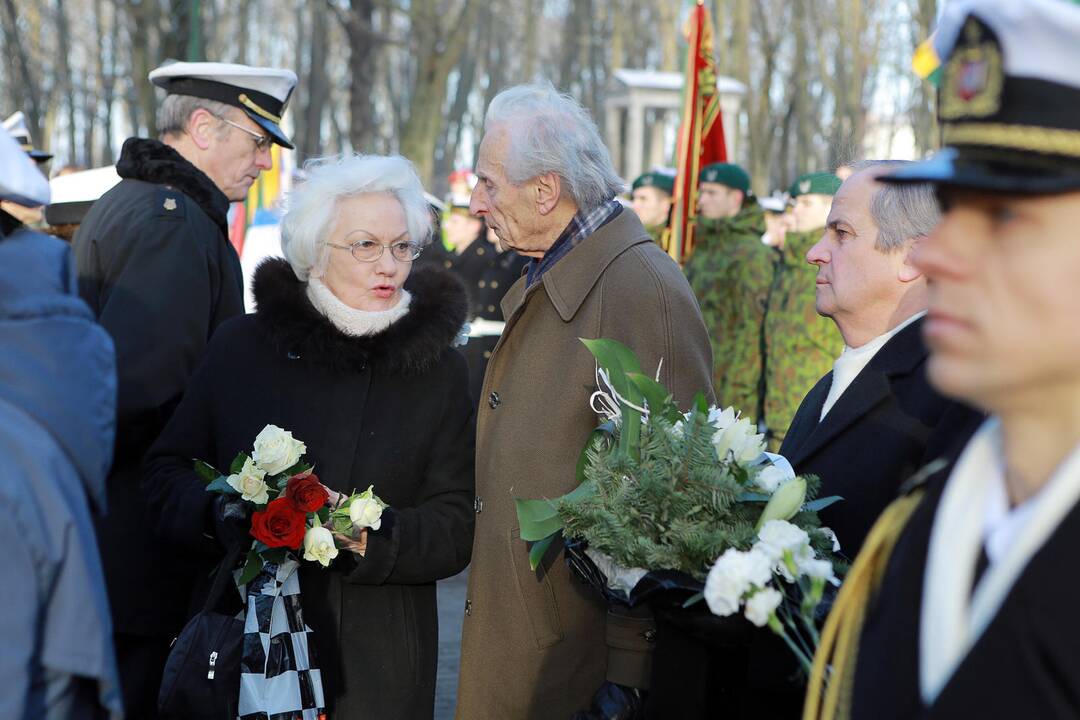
806	419
899	356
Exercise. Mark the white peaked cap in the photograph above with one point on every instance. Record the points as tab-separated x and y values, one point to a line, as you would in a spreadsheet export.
20	180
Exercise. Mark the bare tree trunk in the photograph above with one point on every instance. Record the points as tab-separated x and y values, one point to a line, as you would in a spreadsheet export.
27	82
362	41
317	86
924	99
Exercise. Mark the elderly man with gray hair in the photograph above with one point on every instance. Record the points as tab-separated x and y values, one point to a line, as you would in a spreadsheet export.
874	421
538	644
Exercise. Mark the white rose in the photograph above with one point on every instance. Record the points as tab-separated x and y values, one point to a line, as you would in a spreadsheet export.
776	536
319	545
249	483
762	605
733	575
365	510
736	436
276	450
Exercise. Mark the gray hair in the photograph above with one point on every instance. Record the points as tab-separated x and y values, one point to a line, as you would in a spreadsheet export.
902	212
311	205
176	110
551	132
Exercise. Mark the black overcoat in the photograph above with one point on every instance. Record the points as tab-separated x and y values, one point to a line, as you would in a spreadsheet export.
1024	665
391	409
155	266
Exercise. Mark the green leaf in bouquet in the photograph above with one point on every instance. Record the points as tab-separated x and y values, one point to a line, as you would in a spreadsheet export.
657	396
701	404
206	471
323	514
220	484
752	497
619	361
537	519
302	467
238	463
342	525
252	566
821	503
539	549
275	555
693	599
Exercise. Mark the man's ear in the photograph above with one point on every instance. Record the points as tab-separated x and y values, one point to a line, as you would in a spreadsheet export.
908	271
200	127
548	192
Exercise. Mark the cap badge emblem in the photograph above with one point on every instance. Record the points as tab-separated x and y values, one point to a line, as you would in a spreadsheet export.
973	77
804	187
169	204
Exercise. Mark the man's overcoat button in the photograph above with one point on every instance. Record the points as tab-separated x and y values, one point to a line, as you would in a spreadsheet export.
493	400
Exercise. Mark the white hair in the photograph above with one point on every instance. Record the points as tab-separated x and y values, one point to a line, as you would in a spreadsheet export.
311	205
902	212
550	132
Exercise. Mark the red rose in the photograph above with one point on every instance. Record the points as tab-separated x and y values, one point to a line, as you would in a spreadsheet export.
306	492
279	525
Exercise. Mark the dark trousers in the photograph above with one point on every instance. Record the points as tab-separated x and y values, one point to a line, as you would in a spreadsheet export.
141	661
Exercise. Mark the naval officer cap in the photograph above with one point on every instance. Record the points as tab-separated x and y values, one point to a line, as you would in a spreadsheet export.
1009	100
17	128
262	93
20	180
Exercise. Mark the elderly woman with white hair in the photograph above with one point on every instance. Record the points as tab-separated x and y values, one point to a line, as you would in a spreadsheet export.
351	352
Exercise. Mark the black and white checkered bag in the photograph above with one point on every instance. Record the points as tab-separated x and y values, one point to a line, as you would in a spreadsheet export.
279	673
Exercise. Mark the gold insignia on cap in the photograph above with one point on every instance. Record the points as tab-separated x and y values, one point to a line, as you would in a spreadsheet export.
258	110
804	186
169	204
973	78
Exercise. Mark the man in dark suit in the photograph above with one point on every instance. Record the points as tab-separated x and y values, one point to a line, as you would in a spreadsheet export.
974	614
865	427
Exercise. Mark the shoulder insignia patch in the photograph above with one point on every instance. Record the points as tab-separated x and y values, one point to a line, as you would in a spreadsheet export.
169	203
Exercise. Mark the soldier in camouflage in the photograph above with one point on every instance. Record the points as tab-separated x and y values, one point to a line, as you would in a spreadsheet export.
800	345
651	198
731	272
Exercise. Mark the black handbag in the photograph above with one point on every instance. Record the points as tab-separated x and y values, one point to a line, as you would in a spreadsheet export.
202	674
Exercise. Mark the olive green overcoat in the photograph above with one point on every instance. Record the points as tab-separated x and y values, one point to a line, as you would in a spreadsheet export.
533	643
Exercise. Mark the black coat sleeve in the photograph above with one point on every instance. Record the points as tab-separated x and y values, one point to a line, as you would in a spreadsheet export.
176	496
432	539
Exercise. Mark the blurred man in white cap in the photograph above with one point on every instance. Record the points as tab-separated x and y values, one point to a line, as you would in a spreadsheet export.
16	126
964	604
155	265
57	410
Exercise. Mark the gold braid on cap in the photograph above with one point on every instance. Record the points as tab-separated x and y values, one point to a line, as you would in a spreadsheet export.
1052	141
250	105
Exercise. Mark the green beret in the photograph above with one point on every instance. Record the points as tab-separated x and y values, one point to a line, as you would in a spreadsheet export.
818	183
659	180
728	174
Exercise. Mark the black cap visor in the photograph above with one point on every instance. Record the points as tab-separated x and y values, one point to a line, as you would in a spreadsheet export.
271	127
992	170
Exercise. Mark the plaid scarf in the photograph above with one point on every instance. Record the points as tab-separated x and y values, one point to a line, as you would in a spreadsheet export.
580	227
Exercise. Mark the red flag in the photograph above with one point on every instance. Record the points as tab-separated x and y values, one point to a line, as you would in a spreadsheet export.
701	133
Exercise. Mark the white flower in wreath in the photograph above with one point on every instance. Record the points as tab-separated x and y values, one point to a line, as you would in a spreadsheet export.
786	545
818	569
831	537
735	436
319	545
276	450
761	605
249	483
733	575
770	477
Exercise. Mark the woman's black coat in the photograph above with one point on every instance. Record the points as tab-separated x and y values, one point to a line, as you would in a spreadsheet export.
391	409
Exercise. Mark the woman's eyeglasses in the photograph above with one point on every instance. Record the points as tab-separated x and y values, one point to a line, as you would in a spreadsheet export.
367	251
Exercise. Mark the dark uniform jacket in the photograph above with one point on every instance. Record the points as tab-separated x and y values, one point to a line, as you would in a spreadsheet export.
1024	665
487	274
389	409
156	268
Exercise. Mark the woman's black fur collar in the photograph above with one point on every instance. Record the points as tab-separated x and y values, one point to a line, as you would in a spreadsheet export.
155	162
410	346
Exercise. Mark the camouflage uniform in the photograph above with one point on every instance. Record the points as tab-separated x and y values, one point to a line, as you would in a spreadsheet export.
800	345
659	234
731	272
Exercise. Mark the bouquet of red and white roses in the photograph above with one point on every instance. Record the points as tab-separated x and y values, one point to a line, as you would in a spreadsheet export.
293	510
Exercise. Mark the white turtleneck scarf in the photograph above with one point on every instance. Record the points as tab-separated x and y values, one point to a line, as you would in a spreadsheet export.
349	320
